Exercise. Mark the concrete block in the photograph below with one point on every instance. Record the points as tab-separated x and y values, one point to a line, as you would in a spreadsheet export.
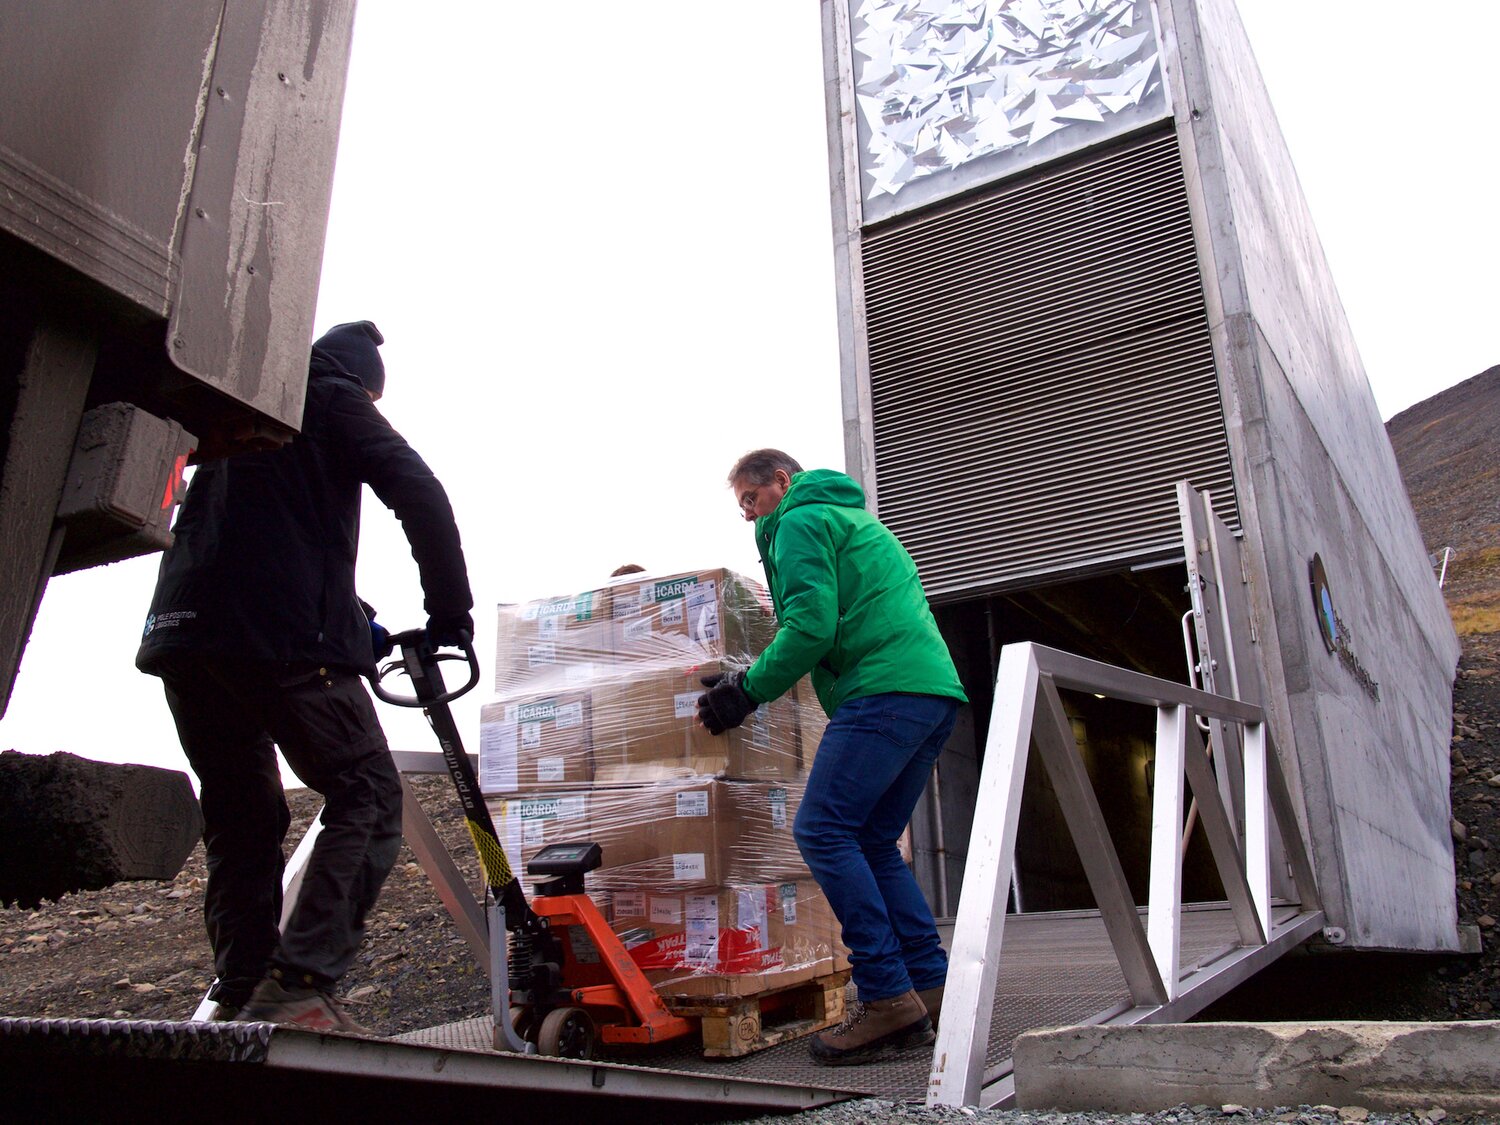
1141	1069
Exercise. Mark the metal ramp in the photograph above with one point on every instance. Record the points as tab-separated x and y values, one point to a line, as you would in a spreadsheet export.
1058	968
55	1070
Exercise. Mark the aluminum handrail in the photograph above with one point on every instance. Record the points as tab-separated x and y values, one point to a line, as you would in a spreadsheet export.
1078	673
1028	713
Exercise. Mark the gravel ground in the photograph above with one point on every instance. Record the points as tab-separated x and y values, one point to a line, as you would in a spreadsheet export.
138	950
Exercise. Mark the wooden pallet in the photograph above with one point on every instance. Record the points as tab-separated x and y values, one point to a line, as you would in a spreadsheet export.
740	1025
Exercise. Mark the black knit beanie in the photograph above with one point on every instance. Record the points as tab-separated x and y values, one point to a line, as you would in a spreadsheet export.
354	347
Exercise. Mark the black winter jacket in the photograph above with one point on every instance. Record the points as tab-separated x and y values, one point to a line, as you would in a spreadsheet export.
262	566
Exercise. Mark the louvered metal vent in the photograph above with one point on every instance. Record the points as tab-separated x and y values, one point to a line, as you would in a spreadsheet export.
1041	373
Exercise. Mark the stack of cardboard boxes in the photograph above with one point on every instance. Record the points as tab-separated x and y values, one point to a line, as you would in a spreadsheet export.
592	736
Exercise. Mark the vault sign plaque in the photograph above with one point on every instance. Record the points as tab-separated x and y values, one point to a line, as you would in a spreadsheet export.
1334	632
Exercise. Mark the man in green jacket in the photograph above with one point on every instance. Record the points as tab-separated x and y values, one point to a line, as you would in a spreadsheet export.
852	612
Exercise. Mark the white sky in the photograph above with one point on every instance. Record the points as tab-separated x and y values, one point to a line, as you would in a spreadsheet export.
599	248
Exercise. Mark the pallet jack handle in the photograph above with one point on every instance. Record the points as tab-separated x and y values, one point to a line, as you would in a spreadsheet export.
507	905
419	660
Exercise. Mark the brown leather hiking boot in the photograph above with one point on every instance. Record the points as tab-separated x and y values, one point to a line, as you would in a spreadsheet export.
873	1029
932	1000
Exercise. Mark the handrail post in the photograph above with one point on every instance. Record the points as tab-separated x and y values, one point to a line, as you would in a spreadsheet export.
1164	904
1258	824
957	1073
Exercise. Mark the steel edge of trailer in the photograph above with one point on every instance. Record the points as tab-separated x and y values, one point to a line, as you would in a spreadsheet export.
49	1049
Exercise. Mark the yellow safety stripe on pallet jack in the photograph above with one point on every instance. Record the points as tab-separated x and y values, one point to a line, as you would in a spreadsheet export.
491	856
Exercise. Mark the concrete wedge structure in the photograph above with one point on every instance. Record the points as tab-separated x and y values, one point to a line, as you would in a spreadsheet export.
1382	1066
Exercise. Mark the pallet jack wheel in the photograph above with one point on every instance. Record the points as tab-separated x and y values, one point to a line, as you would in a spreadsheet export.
523	1022
566	1033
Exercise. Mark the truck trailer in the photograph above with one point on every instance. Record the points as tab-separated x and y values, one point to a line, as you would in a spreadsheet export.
165	174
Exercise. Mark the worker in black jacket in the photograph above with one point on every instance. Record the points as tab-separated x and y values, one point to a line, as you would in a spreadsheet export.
259	639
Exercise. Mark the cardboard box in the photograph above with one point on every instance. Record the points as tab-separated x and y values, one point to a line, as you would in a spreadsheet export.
768	930
646	730
679	834
537	743
691	618
700	833
527	824
553	643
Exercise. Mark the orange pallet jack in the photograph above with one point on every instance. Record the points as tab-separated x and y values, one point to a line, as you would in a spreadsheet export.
561	981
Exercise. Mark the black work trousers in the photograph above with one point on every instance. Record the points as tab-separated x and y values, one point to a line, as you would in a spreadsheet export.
231	715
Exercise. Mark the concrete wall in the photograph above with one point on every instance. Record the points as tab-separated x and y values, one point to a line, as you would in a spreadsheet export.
1316	474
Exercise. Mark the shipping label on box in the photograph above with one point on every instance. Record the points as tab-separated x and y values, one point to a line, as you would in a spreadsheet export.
629	904
666	911
692	802
701	928
689	867
776	800
788	899
752	918
498	757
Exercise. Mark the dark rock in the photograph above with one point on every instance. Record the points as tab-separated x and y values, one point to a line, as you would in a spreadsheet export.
70	824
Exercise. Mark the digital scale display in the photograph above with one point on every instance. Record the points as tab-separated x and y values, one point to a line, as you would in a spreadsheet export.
561	853
566	859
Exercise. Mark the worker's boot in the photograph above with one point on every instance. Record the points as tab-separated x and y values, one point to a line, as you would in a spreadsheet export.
230	996
873	1029
282	998
932	1000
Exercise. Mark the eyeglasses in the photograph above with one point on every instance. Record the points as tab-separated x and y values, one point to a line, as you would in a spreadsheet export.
747	501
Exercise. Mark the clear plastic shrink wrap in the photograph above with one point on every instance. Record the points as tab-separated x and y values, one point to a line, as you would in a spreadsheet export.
592	736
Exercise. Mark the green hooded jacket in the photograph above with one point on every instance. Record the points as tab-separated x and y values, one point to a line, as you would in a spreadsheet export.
850	605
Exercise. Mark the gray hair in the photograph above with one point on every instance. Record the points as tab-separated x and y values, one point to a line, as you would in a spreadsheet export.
759	466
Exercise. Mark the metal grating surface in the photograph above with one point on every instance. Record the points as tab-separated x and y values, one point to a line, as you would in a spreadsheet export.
141	1039
1041	372
1055	969
464	1035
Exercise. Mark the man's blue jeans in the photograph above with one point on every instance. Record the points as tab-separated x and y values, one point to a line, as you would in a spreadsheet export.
871	768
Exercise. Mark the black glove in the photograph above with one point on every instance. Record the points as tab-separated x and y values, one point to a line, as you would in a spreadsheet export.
449	630
724	705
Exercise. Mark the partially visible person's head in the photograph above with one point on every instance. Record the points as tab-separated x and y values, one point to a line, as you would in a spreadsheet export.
760	479
355	348
628	568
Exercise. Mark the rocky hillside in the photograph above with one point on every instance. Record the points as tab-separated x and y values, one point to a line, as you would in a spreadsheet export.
1447	448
